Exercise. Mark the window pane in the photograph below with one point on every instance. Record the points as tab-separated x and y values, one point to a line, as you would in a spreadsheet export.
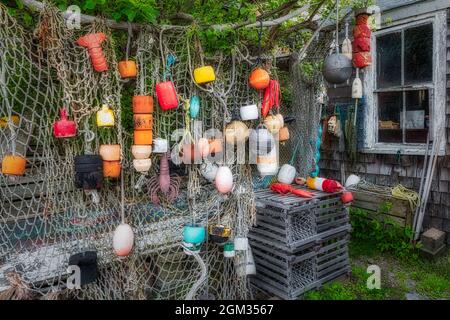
389	60
419	54
417	116
390	104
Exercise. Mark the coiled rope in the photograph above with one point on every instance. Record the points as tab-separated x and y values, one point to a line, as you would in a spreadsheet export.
398	192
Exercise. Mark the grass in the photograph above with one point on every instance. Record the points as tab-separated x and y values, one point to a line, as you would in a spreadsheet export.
399	276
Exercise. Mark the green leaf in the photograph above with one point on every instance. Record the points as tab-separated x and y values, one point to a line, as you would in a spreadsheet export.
130	13
27	19
116	15
19	4
89	5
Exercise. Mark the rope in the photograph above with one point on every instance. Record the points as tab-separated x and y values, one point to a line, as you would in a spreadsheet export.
398	192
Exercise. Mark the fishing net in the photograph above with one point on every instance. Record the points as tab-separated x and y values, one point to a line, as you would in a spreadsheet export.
44	219
307	102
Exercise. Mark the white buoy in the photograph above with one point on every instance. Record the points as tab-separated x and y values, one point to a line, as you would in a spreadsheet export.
352	180
357	89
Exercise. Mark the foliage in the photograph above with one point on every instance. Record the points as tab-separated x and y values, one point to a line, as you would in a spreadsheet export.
359	4
204	14
428	279
386	234
353	289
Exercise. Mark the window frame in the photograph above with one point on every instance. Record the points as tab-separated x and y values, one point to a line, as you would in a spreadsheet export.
437	88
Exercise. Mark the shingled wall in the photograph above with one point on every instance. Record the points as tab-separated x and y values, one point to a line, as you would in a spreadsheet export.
391	170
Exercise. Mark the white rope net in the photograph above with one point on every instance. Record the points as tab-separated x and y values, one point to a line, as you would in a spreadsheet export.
44	219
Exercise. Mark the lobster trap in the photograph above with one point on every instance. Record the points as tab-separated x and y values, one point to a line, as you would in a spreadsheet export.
290	275
289	222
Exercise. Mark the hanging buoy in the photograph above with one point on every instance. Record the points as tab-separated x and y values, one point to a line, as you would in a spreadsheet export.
280	118
337	68
194	107
287	174
142	104
14	165
88	172
93	42
249	112
141	151
64	128
259	79
204	75
193	237
362	56
111	169
347	48
167	95
267	165
236	132
143	137
273	124
143	121
224	180
357	89
261	141
240	244
110	152
105	117
142	165
228	250
127	69
215	146
160	145
219	233
123	240
272	98
283	135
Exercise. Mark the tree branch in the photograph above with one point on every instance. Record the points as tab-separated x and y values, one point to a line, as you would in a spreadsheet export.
86	19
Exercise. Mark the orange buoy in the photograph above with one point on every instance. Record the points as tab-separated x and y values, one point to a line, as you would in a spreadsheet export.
259	79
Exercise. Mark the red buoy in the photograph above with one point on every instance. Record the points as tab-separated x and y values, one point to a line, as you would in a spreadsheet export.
347	197
167	95
64	128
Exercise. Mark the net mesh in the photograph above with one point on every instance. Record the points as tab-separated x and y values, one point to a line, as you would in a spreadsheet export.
44	219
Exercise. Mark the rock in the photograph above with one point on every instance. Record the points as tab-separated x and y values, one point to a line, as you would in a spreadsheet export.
414	296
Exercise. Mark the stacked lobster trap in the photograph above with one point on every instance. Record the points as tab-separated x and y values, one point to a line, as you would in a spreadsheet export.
298	243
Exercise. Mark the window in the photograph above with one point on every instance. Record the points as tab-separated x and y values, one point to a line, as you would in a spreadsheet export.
404	81
405	87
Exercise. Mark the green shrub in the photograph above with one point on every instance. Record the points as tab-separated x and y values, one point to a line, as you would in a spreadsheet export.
383	233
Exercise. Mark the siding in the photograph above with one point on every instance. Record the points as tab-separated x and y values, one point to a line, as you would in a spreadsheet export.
391	169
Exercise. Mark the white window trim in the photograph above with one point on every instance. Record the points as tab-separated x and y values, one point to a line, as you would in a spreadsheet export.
438	107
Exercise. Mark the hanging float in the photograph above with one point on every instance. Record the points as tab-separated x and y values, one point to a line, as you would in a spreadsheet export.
93	42
224	180
123	240
259	79
14	165
89	172
249	112
204	75
193	237
64	128
105	117
337	67
362	56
